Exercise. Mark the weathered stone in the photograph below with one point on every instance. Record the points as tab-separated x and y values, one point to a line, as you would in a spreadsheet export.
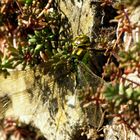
79	14
119	131
51	104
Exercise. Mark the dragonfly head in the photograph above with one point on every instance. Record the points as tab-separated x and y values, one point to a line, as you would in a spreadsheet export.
80	45
81	41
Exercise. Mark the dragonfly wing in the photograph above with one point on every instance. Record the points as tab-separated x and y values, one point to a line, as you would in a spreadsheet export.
87	78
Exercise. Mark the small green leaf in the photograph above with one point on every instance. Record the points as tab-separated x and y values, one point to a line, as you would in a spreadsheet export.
32	40
37	33
112	91
38	48
28	2
13	50
118	101
14	54
129	93
6	64
1	54
30	36
50	36
20	50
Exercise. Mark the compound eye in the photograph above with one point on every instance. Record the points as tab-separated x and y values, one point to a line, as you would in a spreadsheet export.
81	41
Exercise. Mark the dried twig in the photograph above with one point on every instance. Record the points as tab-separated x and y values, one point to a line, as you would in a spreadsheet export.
45	9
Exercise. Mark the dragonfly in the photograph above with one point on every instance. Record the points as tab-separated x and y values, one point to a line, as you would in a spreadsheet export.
30	93
79	63
70	73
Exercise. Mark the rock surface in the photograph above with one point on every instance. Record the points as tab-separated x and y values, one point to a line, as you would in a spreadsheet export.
50	104
79	14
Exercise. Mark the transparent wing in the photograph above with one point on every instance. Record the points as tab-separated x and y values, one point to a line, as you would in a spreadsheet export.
85	77
23	92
